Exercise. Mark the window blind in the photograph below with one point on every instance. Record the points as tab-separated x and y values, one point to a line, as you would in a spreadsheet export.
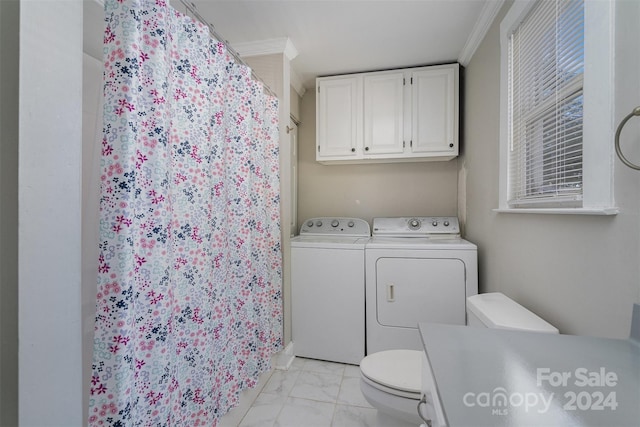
546	67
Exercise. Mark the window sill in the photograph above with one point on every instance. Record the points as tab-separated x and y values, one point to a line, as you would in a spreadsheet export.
562	211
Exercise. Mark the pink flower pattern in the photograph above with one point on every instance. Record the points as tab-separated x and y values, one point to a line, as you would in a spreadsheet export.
189	303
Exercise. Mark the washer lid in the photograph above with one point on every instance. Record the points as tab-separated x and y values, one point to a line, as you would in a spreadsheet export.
397	369
329	242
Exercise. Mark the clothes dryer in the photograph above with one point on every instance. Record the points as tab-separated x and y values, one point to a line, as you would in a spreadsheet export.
417	270
327	289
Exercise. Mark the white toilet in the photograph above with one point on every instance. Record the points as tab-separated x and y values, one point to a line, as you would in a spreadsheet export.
391	379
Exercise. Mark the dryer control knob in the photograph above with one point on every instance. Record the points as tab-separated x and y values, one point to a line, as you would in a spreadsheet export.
351	224
318	223
335	223
446	223
414	223
434	223
309	223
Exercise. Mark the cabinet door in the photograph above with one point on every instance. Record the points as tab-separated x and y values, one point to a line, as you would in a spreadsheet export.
339	119
383	114
434	121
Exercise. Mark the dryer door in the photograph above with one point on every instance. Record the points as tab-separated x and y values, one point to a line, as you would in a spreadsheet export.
413	290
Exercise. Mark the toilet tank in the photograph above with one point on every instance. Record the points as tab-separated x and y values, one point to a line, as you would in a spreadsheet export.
496	310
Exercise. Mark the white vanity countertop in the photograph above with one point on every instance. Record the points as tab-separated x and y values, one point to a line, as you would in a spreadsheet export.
491	377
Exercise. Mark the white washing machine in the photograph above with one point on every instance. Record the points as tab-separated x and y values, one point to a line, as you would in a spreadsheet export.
417	270
327	289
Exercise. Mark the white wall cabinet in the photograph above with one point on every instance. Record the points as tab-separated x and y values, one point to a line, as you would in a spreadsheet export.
388	116
339	109
383	110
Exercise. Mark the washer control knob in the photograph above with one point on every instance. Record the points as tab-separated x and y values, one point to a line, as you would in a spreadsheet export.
435	223
350	224
318	223
445	223
309	223
414	223
335	223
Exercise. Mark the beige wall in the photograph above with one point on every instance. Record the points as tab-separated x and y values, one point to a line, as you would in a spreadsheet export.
295	105
581	273
369	190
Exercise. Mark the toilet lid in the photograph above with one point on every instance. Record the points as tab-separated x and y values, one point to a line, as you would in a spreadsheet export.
397	369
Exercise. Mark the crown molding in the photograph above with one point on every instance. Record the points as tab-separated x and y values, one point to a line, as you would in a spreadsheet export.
281	45
487	15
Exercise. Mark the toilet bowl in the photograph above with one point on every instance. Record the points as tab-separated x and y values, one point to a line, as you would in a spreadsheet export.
391	380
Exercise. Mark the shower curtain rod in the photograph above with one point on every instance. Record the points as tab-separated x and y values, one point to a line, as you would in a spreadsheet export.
191	7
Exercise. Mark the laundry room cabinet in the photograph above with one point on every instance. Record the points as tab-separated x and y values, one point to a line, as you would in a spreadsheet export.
340	111
388	116
383	109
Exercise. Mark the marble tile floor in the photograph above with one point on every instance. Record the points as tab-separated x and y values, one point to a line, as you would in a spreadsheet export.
311	393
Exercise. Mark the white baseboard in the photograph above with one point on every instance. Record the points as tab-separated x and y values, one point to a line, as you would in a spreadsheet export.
283	360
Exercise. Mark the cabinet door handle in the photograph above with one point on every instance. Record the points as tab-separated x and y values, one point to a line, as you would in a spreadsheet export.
366	148
353	150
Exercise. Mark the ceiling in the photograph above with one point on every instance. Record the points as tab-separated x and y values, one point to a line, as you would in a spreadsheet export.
344	36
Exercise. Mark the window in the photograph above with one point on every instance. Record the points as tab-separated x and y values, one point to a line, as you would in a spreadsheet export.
549	148
546	64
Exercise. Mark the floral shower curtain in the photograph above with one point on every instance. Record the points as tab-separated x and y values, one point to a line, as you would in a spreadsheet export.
189	306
